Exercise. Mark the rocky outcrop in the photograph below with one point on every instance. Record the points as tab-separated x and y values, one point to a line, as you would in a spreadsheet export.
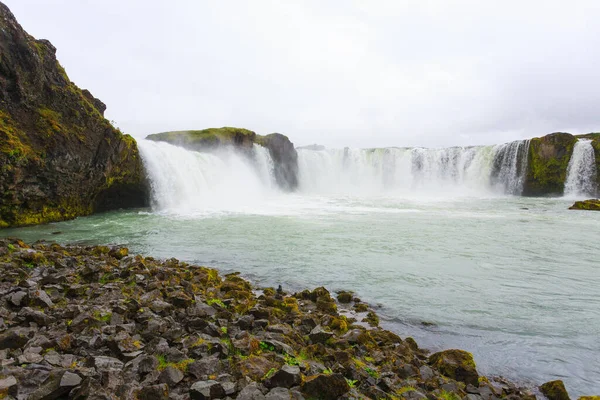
590	205
547	164
281	149
59	157
284	157
95	322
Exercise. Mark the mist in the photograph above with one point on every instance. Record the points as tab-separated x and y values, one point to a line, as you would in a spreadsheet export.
337	73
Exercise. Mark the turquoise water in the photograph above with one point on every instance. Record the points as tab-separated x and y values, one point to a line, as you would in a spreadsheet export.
514	280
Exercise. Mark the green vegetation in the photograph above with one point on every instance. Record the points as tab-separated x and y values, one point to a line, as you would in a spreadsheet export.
206	137
548	161
181	365
218	302
351	382
444	395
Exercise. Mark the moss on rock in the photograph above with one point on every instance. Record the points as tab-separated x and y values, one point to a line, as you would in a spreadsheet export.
547	164
456	364
590	205
555	390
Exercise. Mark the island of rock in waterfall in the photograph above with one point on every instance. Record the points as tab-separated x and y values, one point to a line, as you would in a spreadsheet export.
176	266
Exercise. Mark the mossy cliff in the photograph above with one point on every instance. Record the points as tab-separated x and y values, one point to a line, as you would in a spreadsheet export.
547	164
281	149
59	157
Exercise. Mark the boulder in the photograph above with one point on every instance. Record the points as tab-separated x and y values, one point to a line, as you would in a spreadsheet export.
456	364
589	205
206	390
286	377
325	387
555	390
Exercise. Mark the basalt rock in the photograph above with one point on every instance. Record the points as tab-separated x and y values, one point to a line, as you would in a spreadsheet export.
59	157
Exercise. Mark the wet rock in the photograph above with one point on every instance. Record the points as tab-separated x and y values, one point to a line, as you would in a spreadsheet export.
206	390
555	390
171	376
456	364
325	387
344	297
286	377
319	335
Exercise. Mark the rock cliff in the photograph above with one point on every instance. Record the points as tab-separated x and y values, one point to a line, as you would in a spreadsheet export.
281	149
547	164
59	157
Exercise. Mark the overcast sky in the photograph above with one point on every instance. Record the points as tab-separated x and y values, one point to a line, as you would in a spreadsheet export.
339	73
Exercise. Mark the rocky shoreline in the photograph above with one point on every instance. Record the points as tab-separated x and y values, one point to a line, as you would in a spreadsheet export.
82	322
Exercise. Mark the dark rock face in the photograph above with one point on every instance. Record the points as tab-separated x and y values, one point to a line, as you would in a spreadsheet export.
547	164
280	147
285	157
59	157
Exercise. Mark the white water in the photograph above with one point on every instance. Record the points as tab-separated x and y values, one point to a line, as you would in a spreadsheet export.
191	183
581	173
415	171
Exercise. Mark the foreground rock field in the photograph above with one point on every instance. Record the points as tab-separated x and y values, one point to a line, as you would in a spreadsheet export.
97	323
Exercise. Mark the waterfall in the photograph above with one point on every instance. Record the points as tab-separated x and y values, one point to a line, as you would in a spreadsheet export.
510	166
581	172
455	170
188	182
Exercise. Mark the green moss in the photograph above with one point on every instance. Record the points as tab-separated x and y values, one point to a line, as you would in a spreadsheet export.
444	395
13	141
181	365
48	122
589	205
547	164
206	137
555	390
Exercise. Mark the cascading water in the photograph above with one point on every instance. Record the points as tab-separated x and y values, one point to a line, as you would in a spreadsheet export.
581	172
510	166
188	182
456	170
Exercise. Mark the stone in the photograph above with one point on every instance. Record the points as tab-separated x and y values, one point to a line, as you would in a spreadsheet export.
344	297
14	338
426	372
58	384
206	390
286	377
325	387
555	390
17	298
154	392
7	383
251	392
103	363
278	393
456	364
319	335
171	376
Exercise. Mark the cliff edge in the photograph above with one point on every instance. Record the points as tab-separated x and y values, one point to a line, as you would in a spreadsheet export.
59	157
